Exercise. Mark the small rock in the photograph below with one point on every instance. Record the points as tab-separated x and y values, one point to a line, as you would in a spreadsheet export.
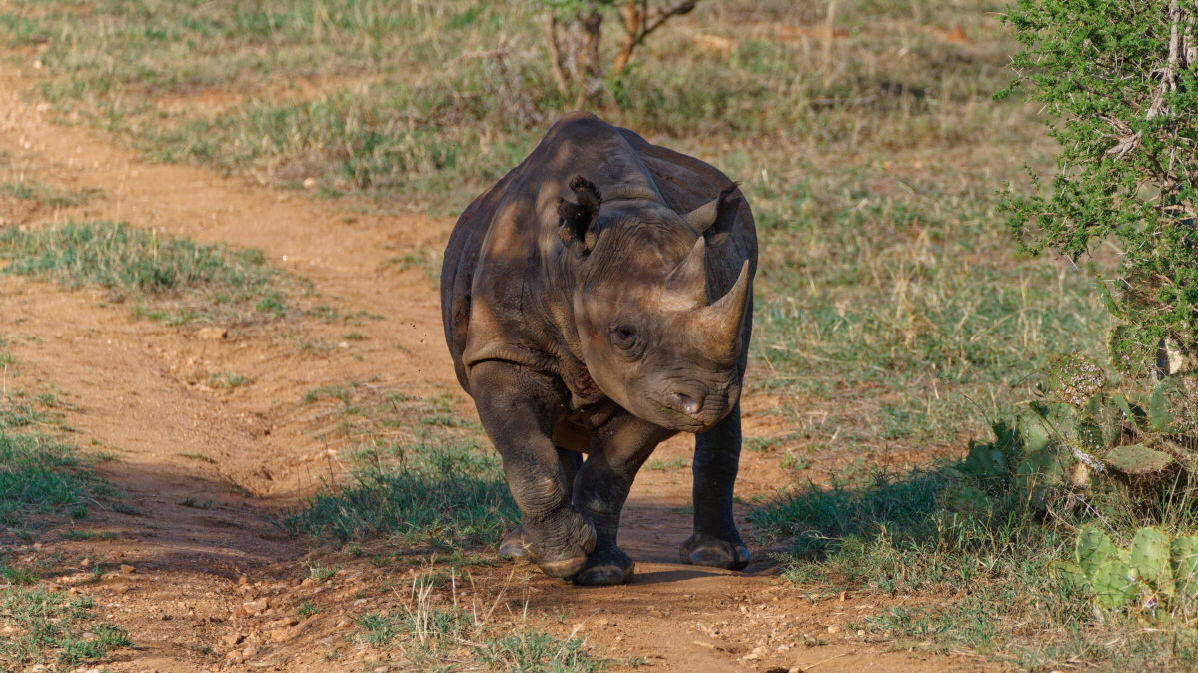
128	569
256	607
279	635
249	652
240	612
309	183
834	629
233	639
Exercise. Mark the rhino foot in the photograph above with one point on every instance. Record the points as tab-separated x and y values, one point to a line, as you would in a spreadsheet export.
512	544
606	568
565	554
708	550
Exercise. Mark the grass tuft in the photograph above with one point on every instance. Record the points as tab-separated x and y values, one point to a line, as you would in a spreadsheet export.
55	627
432	628
42	476
442	495
185	281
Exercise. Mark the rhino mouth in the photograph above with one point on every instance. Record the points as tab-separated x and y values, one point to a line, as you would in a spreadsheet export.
672	418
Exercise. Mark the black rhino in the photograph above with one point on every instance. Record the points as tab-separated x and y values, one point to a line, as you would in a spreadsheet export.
598	300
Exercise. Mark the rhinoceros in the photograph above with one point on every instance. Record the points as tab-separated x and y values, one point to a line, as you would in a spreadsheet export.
598	300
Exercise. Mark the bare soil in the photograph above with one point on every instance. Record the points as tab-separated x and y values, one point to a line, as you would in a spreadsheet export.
201	578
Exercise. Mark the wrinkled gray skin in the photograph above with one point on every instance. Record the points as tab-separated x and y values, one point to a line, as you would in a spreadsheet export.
597	300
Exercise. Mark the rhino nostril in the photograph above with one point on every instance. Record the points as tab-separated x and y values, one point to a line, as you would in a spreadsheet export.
687	404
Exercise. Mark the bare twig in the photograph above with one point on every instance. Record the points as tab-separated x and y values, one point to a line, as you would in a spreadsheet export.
556	66
637	27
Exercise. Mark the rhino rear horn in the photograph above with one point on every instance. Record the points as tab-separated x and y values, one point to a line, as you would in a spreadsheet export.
575	218
687	283
715	218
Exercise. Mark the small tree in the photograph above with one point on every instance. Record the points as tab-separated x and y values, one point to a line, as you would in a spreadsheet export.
573	33
1118	77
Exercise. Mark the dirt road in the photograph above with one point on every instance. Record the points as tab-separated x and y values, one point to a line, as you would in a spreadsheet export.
199	576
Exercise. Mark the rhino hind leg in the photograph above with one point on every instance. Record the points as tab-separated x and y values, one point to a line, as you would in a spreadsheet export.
716	542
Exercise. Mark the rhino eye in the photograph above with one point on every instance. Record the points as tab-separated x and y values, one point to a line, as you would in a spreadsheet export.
623	337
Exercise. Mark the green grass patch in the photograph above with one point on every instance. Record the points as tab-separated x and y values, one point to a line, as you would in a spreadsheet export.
50	627
988	576
43	476
445	495
43	480
671	464
431	630
47	195
180	281
432	119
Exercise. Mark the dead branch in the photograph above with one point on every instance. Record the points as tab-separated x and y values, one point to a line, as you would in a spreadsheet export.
637	27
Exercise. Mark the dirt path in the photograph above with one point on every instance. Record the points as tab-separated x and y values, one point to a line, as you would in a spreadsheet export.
198	575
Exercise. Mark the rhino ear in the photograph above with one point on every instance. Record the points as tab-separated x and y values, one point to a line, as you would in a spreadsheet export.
715	218
577	217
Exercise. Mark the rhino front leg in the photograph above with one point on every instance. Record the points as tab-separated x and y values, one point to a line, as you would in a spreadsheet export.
617	451
514	543
716	541
517	407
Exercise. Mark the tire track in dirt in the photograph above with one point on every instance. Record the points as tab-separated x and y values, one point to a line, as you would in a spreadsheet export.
201	549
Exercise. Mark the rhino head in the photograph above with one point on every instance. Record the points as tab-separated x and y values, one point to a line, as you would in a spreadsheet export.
652	337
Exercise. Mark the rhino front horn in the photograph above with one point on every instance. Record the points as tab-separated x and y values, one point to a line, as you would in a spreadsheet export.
724	318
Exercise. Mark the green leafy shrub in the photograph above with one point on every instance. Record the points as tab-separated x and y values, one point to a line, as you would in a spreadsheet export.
1116	77
1118	80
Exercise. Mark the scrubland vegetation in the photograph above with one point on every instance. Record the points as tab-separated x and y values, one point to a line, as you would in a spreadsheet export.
912	346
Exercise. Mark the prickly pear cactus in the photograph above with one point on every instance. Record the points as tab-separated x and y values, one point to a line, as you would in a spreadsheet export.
1155	574
1092	549
1150	553
1183	559
1114	584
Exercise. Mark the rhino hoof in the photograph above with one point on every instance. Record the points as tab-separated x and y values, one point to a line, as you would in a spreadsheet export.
512	545
606	569
707	550
564	567
569	558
